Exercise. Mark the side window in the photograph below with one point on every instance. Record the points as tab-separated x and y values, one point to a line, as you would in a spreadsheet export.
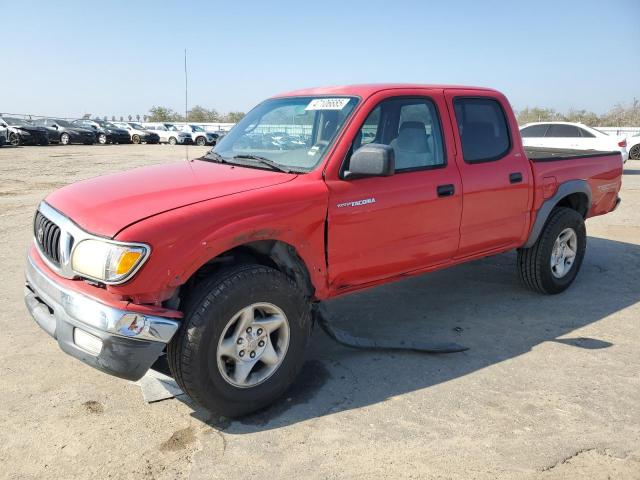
411	126
586	134
563	131
534	131
483	129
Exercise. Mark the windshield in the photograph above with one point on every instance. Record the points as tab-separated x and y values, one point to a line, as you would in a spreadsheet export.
137	126
196	128
107	125
294	132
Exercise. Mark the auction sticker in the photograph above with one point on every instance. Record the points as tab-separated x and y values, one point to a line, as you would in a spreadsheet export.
327	103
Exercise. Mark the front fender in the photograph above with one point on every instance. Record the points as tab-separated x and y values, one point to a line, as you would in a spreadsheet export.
184	239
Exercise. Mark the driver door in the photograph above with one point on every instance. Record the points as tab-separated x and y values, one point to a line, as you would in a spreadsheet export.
381	227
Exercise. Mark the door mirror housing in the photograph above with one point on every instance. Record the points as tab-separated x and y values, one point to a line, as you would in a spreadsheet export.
371	160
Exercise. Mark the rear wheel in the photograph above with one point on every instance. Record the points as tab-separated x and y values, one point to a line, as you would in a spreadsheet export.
135	139
102	139
242	341
551	265
634	153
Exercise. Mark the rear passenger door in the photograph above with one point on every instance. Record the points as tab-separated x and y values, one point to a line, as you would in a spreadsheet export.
496	176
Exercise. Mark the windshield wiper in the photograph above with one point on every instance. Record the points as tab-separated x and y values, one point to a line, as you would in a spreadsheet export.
216	157
265	161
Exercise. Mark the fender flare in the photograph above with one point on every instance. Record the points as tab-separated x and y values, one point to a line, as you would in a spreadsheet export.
565	189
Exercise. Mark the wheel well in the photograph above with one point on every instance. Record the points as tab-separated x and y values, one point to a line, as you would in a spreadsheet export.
271	253
577	201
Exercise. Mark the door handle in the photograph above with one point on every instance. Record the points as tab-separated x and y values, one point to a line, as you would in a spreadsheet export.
446	190
515	177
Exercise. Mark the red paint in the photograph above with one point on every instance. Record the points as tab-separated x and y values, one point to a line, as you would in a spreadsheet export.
191	212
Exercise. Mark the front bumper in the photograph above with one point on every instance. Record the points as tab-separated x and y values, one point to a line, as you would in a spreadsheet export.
119	342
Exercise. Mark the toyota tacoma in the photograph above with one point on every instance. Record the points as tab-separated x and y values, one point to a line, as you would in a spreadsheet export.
218	262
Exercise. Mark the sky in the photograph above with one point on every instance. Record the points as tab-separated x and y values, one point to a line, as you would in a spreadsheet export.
122	57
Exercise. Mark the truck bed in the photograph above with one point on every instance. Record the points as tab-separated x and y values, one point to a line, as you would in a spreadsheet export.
547	154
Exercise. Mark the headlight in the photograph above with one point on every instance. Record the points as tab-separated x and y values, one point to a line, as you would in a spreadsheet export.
108	262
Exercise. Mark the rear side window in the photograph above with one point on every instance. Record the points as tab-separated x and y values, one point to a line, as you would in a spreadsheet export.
563	131
586	134
534	131
483	129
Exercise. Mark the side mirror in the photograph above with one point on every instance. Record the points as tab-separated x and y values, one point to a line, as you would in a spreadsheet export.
372	160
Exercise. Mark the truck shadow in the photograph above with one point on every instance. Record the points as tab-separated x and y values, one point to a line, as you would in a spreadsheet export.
480	305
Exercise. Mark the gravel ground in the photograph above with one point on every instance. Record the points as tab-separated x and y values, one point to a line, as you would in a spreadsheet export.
549	389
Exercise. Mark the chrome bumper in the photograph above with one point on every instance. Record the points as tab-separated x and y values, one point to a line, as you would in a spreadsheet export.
119	342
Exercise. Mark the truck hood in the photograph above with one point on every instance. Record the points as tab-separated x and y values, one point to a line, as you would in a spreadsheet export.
105	205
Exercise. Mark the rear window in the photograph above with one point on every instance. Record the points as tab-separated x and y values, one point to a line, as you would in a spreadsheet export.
534	131
563	131
483	129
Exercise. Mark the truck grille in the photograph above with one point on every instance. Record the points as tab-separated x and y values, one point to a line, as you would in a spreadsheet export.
47	236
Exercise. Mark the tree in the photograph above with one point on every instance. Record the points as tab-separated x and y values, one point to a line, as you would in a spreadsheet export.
163	114
138	118
113	118
233	117
201	114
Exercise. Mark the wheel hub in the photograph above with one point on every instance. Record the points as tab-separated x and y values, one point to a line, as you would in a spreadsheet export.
564	252
253	345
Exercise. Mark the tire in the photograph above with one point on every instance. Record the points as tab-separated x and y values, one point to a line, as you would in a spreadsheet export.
64	139
102	139
201	141
535	263
634	153
14	139
196	351
172	140
135	139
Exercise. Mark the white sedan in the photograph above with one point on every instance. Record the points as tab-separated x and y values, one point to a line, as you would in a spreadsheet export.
633	144
576	136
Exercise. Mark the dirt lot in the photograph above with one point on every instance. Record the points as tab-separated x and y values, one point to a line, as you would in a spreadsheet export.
549	389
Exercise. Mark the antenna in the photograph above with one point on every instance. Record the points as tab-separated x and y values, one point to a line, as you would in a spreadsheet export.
186	99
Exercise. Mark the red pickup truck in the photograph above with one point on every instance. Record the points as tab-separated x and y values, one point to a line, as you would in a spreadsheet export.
219	261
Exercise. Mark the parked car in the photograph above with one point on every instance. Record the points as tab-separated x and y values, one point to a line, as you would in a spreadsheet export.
106	132
65	133
633	144
571	135
221	261
200	136
138	133
23	132
4	134
171	136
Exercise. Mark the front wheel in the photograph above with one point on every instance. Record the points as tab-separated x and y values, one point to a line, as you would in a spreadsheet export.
135	139
242	341
201	141
551	265
14	139
65	139
172	141
634	153
102	139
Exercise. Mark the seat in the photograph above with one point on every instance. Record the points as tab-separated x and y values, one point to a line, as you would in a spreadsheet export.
411	147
